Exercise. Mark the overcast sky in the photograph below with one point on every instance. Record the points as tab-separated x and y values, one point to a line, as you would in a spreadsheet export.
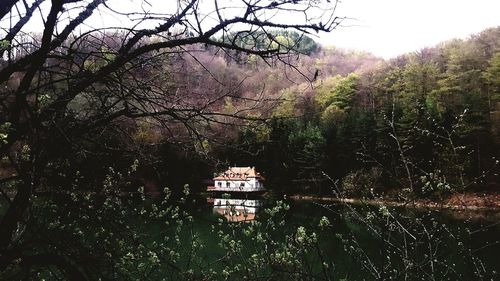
386	28
391	27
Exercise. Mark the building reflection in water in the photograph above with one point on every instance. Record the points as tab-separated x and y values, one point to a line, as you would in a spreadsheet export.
236	210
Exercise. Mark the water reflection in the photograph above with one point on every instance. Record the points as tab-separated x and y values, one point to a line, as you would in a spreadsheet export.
236	210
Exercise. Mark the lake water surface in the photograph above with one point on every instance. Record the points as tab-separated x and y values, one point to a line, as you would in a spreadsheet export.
369	243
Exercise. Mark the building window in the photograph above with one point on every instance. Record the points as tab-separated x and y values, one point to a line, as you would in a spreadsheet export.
219	184
228	184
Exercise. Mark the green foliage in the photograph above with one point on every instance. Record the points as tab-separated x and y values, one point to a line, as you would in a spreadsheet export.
435	183
407	245
292	150
492	77
397	124
362	183
337	91
133	237
287	107
334	97
300	42
428	115
282	40
306	146
4	132
4	44
421	121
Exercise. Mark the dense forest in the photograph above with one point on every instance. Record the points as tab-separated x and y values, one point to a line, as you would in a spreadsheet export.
423	124
111	131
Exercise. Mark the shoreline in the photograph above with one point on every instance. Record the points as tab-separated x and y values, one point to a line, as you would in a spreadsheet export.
467	203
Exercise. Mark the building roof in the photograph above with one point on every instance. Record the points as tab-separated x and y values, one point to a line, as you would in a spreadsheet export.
239	173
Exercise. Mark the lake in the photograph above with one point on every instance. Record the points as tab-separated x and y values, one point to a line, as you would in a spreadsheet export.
237	238
369	243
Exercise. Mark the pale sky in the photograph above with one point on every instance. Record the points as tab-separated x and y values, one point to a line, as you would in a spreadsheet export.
388	28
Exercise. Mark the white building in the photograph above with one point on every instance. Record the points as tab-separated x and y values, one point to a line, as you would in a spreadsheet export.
238	179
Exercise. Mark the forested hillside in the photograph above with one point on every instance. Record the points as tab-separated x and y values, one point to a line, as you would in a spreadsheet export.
424	123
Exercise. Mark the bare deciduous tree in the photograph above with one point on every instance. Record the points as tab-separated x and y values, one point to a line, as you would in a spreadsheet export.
76	74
